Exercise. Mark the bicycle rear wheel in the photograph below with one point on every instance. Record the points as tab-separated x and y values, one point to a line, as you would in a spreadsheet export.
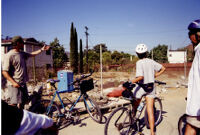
157	113
52	111
118	122
93	109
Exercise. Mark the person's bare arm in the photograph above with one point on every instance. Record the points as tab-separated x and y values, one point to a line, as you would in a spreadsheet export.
160	72
9	78
137	79
44	48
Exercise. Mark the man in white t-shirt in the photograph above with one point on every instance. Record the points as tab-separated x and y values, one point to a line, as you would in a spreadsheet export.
146	71
193	95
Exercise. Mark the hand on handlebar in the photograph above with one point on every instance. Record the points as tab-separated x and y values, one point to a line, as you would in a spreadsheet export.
128	85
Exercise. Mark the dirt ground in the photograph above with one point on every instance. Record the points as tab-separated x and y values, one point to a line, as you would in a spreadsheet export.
173	100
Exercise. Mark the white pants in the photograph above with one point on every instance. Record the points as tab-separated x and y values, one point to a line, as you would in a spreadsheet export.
32	122
139	92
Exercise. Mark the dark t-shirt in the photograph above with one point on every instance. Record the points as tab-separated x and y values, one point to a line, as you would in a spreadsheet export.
11	119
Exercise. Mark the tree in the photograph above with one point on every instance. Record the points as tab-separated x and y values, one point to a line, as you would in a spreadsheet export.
81	58
93	58
59	55
116	56
76	52
97	48
107	58
73	49
159	53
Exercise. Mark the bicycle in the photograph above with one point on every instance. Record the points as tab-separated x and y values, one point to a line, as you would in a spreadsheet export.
125	121
71	115
182	123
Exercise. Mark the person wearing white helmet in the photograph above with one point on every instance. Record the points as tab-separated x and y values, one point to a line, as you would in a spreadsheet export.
146	71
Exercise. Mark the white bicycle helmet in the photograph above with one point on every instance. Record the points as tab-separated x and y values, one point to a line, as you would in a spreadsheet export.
141	48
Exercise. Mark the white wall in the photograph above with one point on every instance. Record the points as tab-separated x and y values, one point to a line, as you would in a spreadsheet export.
177	56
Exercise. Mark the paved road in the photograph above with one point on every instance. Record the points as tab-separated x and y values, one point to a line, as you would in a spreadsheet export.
173	107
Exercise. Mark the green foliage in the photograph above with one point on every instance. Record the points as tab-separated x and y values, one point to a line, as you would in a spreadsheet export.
106	58
93	58
159	53
97	48
73	49
59	55
116	57
81	58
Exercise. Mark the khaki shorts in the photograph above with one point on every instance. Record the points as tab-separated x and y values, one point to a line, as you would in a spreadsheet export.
17	95
139	92
193	120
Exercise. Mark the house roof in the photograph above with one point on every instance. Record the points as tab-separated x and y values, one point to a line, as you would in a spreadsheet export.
31	41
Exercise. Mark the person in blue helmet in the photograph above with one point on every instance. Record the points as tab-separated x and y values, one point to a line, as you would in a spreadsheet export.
193	100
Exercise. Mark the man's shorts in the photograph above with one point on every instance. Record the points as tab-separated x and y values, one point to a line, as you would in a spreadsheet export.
139	92
17	95
193	120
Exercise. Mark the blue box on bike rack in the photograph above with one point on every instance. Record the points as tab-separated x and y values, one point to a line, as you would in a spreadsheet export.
66	78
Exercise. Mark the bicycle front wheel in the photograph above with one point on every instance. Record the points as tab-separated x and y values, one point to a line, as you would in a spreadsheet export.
51	110
93	109
118	122
157	113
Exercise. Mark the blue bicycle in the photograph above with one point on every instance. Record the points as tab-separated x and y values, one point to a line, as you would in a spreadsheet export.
62	116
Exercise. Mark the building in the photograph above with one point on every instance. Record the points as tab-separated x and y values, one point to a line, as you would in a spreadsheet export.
176	56
39	65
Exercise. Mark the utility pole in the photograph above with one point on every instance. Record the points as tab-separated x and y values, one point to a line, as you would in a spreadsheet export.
86	33
101	69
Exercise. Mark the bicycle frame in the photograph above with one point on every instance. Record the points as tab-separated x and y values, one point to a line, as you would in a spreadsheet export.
52	100
90	105
62	104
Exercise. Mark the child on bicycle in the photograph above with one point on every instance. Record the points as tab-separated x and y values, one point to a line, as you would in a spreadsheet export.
146	71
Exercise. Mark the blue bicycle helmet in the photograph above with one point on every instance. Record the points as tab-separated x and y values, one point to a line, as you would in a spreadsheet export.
195	25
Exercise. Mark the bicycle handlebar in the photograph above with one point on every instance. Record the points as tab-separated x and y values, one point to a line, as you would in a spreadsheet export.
130	85
81	78
52	81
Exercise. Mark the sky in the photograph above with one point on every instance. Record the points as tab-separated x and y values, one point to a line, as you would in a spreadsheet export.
120	24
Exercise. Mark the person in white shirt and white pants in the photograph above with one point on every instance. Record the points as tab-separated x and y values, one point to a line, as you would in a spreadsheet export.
193	95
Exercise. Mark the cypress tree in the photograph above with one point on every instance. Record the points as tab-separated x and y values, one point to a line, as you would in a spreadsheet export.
73	49
72	45
81	58
75	52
